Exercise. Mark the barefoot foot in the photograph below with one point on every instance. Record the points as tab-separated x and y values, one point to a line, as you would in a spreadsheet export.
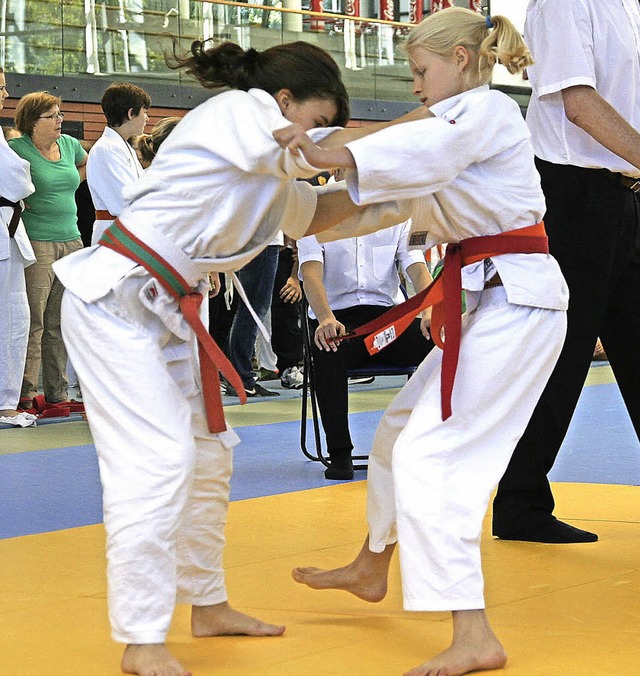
368	588
222	620
455	661
151	659
474	648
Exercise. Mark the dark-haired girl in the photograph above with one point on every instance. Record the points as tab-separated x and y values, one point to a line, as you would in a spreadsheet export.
217	192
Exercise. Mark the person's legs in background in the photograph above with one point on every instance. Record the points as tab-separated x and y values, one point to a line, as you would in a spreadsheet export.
286	333
330	379
257	278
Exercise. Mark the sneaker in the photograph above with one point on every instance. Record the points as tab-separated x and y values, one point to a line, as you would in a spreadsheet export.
292	378
267	374
256	391
361	380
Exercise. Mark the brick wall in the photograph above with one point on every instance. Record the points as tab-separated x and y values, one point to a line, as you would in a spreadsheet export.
90	114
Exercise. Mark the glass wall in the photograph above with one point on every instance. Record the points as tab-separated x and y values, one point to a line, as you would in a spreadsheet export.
131	38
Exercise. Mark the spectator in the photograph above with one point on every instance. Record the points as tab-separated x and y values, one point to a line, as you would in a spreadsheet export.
50	218
257	278
348	283
113	163
286	334
147	145
84	204
16	253
137	142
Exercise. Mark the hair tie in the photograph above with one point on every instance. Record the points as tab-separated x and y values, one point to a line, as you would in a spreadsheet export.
488	21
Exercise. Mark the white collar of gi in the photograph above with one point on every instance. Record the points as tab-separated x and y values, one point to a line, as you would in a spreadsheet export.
113	134
440	108
264	97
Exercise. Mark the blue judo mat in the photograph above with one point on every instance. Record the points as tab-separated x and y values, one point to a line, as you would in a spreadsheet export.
59	488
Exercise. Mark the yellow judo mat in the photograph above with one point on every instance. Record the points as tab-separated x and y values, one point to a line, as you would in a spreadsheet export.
558	609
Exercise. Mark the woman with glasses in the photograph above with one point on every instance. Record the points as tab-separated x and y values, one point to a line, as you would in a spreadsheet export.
50	218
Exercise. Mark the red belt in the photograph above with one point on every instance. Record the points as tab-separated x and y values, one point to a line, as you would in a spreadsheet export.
212	359
104	215
444	293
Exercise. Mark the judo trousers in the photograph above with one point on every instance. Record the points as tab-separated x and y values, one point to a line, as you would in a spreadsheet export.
14	326
165	478
430	481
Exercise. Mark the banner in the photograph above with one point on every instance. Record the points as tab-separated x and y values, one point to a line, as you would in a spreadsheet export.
415	11
316	23
440	4
387	10
352	7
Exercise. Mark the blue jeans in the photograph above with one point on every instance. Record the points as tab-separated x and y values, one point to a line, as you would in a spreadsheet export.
257	278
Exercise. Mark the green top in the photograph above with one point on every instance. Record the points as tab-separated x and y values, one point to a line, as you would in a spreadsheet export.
51	214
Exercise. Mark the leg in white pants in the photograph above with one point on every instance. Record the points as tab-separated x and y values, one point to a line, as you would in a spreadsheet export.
165	478
432	480
14	327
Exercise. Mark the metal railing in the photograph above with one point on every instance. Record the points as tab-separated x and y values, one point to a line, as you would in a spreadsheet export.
130	38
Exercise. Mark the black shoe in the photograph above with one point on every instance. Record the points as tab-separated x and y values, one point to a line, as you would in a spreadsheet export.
340	470
256	391
361	380
550	531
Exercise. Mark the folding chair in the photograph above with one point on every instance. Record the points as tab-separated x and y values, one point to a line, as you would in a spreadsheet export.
309	392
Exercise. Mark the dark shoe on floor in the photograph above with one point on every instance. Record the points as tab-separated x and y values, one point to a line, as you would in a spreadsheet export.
550	531
340	470
266	374
256	391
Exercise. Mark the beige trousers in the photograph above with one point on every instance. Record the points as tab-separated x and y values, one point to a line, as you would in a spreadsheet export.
45	347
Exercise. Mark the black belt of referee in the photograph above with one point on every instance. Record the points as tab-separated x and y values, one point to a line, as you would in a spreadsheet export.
15	218
632	184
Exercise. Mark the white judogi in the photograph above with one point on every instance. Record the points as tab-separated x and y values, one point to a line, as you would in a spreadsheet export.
218	191
467	172
112	165
16	254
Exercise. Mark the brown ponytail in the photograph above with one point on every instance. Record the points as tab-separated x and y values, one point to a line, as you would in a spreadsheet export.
305	70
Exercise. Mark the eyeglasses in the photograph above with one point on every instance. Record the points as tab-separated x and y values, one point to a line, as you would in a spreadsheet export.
55	116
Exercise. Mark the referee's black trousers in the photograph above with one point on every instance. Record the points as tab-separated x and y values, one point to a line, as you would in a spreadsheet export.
592	223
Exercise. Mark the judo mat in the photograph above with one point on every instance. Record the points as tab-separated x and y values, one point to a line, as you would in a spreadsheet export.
558	609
